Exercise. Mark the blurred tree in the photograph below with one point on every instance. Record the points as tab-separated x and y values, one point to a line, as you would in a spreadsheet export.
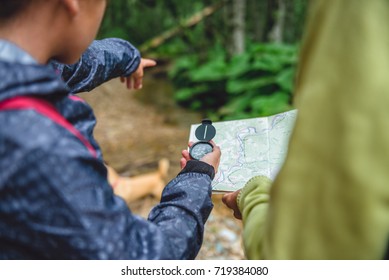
276	34
237	24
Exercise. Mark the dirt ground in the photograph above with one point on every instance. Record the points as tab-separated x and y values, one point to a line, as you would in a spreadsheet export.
137	129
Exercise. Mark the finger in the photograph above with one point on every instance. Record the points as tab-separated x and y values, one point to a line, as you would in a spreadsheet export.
230	198
238	215
225	198
138	79
214	145
122	79
138	83
129	82
183	162
229	201
185	154
217	150
148	62
190	144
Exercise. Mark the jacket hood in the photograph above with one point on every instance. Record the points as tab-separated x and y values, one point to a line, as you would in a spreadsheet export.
28	79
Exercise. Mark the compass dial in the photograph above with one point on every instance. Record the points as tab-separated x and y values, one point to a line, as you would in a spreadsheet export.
200	149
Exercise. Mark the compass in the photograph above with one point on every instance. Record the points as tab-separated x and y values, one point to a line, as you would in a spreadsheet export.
204	133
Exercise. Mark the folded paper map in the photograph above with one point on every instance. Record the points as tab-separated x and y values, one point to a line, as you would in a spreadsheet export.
250	147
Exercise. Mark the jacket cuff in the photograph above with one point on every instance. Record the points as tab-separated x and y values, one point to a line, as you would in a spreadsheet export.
253	183
197	166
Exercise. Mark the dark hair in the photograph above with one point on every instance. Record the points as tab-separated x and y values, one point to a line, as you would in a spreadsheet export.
10	8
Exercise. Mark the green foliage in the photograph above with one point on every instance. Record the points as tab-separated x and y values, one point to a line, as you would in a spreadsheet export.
141	20
256	83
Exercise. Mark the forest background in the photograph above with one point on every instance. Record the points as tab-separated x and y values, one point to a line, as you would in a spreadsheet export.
228	59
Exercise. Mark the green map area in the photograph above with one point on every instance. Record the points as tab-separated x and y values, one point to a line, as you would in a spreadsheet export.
250	147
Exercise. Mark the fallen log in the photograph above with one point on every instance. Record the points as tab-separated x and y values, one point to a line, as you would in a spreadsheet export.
191	21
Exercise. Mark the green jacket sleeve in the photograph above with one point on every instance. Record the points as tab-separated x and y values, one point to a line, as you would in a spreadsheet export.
253	202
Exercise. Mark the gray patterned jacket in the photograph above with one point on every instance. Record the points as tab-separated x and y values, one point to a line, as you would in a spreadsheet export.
55	201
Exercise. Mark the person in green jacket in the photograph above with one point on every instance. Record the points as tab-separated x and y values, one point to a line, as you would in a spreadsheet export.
331	197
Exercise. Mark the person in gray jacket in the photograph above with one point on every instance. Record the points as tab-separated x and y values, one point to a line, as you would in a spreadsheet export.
55	200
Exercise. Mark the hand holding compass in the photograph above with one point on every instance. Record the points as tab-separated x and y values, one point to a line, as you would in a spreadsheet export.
204	133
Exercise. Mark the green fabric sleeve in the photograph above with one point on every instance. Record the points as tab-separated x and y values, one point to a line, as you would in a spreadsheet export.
253	203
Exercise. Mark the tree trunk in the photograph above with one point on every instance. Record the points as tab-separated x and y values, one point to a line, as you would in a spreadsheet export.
276	35
238	24
256	19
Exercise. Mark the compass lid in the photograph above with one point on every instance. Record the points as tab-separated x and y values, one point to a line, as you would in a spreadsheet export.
206	131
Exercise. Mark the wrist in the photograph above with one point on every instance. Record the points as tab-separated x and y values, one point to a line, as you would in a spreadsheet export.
197	166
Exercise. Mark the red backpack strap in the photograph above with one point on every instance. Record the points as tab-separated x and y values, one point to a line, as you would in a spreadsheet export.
46	109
